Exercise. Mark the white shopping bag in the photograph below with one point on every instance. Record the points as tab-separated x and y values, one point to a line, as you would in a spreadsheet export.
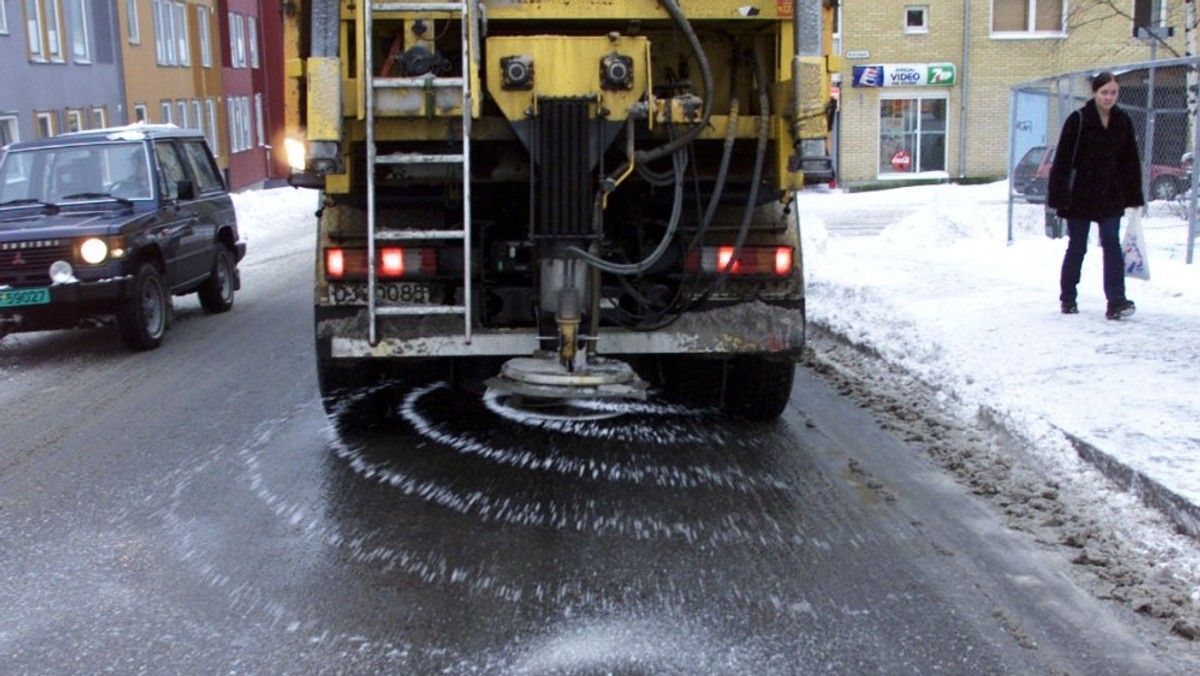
1134	247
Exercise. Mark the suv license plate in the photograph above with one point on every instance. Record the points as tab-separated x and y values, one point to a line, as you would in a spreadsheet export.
386	293
19	297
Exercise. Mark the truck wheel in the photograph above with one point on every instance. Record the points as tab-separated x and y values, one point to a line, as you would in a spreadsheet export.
216	293
142	319
353	396
692	381
758	387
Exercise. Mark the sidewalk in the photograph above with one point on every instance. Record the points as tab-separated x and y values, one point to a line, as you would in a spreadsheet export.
939	293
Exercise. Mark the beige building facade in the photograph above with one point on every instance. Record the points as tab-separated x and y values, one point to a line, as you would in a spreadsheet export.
925	85
172	58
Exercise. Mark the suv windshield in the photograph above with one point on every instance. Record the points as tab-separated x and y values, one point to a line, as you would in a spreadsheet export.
75	173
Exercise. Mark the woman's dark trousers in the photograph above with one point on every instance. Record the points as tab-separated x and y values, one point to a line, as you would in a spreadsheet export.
1114	261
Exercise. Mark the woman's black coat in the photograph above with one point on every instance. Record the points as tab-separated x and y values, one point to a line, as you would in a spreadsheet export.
1109	175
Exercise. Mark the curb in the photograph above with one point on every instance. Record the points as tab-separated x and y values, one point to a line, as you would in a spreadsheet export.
1181	512
1178	510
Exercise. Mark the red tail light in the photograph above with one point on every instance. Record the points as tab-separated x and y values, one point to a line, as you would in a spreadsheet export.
391	262
783	261
753	261
335	263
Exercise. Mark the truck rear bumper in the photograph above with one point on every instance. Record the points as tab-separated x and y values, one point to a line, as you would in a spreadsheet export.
745	328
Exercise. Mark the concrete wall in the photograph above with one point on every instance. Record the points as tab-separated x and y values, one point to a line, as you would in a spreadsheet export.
58	85
1093	39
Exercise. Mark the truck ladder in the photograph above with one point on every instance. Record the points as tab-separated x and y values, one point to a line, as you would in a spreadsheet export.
466	11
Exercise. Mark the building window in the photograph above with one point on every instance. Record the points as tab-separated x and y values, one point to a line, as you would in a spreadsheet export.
141	113
99	117
205	36
237	41
131	16
47	123
179	24
9	130
912	136
166	39
198	115
33	22
81	38
210	106
3	24
252	39
74	120
164	109
258	118
54	47
1027	16
182	118
916	19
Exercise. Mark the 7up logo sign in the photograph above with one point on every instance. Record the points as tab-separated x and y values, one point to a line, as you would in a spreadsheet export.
940	75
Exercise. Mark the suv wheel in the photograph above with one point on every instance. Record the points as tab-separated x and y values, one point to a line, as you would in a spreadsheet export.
142	319
216	294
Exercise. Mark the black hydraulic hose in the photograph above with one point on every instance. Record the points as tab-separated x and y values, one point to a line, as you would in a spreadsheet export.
678	159
764	105
685	27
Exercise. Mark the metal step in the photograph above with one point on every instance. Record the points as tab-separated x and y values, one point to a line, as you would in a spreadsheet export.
426	7
414	310
400	235
419	158
418	82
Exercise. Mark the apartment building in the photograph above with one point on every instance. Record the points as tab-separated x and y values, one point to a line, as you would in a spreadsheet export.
251	47
924	90
61	66
172	65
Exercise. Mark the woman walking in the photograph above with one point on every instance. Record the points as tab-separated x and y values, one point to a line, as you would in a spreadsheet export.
1096	175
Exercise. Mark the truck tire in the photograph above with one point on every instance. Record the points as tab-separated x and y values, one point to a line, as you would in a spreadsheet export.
759	387
692	381
142	319
353	396
216	293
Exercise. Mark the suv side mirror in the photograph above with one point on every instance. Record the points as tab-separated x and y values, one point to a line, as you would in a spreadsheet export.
185	190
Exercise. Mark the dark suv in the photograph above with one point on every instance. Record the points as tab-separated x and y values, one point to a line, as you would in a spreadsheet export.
107	223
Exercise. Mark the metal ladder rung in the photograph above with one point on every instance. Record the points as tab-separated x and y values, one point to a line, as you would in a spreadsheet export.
419	7
418	82
411	310
397	235
418	158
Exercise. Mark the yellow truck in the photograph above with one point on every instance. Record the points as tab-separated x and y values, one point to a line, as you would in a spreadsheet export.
566	200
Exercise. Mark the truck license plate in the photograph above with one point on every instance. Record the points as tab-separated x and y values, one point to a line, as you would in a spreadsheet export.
19	297
387	293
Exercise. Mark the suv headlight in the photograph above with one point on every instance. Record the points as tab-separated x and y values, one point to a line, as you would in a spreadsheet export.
93	251
97	250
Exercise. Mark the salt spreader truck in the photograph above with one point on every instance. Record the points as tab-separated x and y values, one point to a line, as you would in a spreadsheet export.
569	200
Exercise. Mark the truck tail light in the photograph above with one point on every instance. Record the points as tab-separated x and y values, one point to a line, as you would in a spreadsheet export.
335	263
753	261
391	262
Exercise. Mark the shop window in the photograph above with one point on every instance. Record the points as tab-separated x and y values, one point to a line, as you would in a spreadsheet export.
912	136
916	19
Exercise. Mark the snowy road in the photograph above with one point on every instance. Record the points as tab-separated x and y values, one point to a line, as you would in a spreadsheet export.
190	510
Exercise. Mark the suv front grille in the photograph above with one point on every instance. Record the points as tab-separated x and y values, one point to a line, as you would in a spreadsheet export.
28	263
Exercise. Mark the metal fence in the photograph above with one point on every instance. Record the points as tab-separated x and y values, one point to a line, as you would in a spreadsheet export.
1154	94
